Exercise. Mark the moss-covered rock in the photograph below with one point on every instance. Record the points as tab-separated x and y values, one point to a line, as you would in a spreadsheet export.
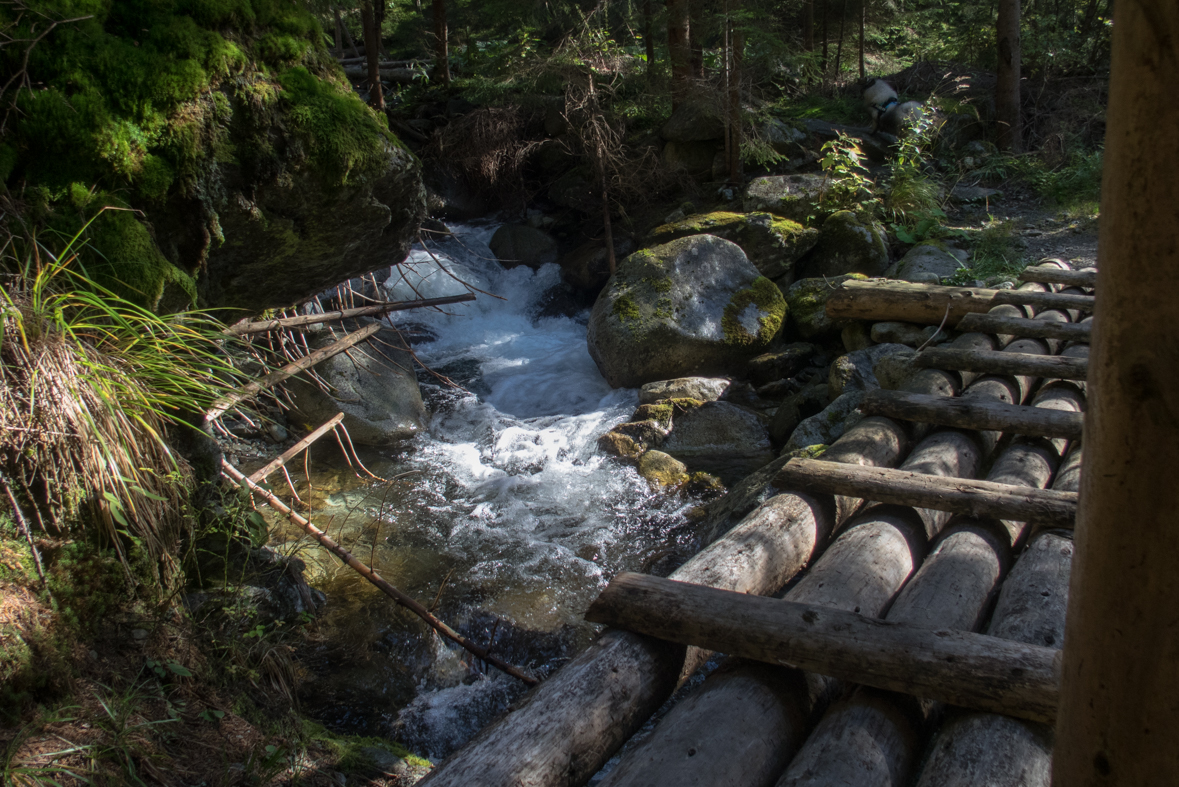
807	299
662	470
847	244
260	174
791	196
720	438
619	445
931	262
692	306
773	244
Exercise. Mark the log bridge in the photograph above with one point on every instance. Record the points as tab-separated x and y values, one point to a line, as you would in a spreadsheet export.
891	612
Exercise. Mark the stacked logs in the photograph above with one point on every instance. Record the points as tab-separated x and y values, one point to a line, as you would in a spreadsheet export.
929	556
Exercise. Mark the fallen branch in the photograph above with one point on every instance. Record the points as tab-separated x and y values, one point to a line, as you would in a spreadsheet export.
1050	274
234	398
1051	367
372	576
1046	300
959	667
902	487
1018	326
965	412
289	454
263	326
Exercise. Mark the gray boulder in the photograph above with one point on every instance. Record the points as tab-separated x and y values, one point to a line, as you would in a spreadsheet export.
702	389
662	470
786	362
720	438
907	333
853	372
829	425
929	261
588	268
807	303
893	371
695	306
792	196
847	245
771	243
520	244
785	139
373	384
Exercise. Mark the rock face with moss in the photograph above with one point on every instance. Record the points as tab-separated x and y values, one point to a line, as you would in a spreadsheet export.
847	245
771	243
261	177
808	306
792	196
695	306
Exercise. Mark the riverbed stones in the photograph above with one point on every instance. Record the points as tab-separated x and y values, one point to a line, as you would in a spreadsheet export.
702	389
588	266
790	196
847	244
927	262
373	384
771	243
786	362
829	425
619	445
807	302
720	438
694	306
520	244
907	333
893	371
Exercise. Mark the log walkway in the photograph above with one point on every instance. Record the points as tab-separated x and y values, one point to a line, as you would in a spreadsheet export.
887	660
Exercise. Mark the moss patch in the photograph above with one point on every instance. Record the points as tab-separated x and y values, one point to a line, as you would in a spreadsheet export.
766	296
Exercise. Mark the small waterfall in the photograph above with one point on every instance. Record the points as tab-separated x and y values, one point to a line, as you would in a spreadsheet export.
507	496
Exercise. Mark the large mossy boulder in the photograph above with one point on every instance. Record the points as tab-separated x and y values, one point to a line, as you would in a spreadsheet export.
773	244
693	307
258	172
791	196
847	244
376	389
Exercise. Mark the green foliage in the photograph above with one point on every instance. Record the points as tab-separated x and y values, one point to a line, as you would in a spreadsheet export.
847	185
348	747
994	255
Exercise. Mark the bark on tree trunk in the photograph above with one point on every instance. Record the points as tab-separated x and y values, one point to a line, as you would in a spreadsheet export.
696	37
863	14
679	49
441	43
808	26
1120	686
1007	115
823	62
737	56
372	52
839	46
649	37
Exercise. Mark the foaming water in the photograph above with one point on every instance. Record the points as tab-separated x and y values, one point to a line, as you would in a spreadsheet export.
507	497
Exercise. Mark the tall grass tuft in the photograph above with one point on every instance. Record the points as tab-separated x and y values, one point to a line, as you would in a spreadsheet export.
88	384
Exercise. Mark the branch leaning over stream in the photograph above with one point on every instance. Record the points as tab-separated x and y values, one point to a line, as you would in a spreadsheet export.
373	577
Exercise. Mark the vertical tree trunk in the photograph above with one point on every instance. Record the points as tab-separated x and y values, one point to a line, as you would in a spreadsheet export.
808	26
343	28
696	36
839	46
727	69
441	43
823	62
863	13
338	34
679	49
1118	723
372	51
737	57
649	38
1010	131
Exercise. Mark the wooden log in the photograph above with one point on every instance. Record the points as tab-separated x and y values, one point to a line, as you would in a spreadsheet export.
966	412
1050	274
924	304
1046	300
1041	329
943	454
259	475
959	495
862	570
1050	366
570	725
872	738
402	76
373	577
262	326
238	396
962	668
986	748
